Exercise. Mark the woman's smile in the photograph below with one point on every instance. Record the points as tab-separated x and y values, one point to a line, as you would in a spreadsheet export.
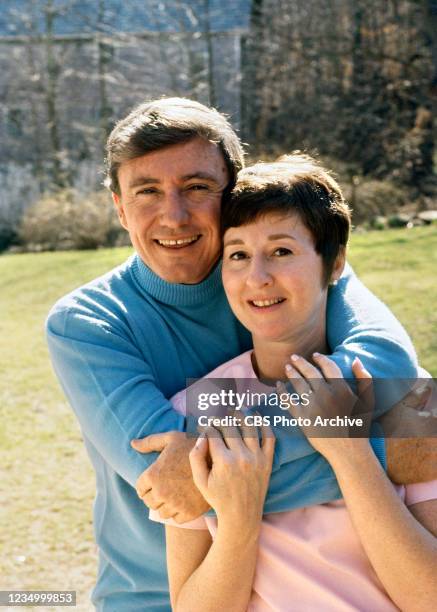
266	304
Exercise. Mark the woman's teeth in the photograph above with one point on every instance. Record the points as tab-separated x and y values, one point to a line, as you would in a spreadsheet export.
263	303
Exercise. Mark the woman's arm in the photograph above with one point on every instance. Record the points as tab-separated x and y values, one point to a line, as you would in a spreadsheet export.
206	575
216	575
402	550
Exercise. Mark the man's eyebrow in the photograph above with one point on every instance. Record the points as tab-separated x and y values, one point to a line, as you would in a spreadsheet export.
143	180
200	175
148	180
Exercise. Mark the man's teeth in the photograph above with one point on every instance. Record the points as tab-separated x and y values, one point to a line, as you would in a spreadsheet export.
177	242
267	302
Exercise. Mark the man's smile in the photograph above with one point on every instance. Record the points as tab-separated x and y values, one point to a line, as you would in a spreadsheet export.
177	243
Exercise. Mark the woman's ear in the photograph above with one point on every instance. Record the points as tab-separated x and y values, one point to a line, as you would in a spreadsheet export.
339	263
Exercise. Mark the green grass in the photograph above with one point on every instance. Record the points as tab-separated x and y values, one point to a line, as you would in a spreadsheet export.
46	483
400	266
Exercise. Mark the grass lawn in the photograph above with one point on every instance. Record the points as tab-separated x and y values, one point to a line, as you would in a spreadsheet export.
400	266
46	483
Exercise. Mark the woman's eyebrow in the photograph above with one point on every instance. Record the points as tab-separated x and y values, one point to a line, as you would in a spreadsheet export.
280	236
271	237
231	242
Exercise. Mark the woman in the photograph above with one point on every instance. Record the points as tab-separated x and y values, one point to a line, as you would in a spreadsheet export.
285	230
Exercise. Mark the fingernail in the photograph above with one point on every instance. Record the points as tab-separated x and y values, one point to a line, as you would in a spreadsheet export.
199	440
316	355
294	357
288	367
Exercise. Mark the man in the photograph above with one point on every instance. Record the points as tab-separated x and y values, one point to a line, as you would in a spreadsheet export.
126	342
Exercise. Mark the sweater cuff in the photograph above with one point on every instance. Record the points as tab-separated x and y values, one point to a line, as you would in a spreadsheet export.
377	442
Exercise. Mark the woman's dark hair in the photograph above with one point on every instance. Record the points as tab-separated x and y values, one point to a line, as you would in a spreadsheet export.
294	183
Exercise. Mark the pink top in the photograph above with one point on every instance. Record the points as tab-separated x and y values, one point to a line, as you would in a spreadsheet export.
310	558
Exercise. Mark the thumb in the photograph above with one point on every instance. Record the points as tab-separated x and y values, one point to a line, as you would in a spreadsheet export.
364	384
155	442
198	462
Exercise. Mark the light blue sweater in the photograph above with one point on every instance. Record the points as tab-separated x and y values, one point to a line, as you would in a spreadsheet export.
125	343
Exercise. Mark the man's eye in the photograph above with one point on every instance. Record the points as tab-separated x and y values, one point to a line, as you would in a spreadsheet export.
282	251
147	191
198	187
238	255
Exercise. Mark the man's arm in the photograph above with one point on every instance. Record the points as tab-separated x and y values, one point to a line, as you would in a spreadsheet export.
110	387
360	325
411	460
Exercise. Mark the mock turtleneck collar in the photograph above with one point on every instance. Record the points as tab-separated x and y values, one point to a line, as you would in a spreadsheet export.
175	294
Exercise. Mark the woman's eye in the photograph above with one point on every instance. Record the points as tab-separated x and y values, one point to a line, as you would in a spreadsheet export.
281	251
238	255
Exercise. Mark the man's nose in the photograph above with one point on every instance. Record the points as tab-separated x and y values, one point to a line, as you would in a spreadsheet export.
258	275
174	212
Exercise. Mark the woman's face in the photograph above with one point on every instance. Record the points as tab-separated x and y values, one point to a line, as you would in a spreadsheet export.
272	276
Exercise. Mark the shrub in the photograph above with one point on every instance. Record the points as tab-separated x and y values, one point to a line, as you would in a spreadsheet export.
8	237
399	220
379	222
370	198
69	220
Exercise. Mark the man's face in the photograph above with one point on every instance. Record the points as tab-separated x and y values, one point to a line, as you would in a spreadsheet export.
170	204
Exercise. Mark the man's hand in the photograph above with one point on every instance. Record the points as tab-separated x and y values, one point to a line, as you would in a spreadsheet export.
167	485
411	460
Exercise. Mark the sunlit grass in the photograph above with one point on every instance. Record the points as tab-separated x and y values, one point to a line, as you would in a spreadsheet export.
400	267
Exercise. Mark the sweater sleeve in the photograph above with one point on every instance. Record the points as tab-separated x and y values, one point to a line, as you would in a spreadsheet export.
110	387
359	324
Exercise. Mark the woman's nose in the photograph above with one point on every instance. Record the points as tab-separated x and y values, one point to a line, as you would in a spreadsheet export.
259	275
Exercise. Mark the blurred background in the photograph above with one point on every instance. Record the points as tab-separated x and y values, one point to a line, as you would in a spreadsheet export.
353	80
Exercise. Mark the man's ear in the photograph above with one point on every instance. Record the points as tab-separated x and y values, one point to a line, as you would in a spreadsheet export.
338	264
120	209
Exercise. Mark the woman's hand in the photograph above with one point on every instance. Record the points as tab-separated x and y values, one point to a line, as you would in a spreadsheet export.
232	471
402	552
331	397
